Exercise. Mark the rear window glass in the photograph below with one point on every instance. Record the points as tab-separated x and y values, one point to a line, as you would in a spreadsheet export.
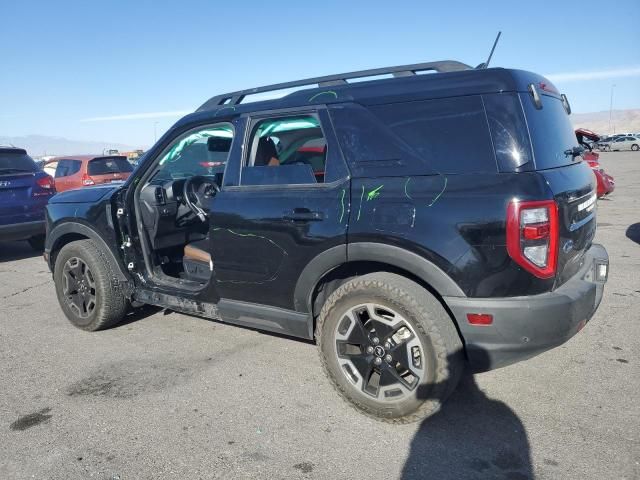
509	132
551	132
451	134
15	162
105	166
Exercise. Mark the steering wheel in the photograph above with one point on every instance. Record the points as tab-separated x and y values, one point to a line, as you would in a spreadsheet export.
197	188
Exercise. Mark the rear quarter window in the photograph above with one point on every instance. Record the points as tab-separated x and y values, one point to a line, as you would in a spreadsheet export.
551	132
450	134
105	166
16	161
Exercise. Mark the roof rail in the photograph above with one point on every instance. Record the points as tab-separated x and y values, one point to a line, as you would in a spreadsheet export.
235	98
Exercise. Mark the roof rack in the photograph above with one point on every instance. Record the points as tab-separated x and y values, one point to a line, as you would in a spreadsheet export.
235	98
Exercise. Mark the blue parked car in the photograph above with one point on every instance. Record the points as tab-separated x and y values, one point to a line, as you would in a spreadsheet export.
24	192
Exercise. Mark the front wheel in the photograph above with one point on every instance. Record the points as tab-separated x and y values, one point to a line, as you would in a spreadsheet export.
389	347
87	294
634	147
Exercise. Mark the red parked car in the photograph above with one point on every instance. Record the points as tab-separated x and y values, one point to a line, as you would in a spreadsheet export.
85	170
605	182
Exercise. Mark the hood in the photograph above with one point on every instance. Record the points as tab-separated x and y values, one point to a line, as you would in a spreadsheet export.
588	134
86	194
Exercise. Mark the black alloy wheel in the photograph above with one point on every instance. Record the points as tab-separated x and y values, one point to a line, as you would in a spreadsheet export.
379	351
79	287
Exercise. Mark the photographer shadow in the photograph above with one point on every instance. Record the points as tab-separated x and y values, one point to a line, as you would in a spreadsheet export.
471	437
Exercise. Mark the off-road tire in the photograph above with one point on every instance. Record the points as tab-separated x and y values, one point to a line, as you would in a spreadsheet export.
37	243
110	303
430	321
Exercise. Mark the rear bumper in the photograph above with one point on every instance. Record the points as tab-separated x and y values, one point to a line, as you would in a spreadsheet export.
21	231
526	326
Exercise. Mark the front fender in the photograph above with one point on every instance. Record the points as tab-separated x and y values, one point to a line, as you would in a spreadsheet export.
68	231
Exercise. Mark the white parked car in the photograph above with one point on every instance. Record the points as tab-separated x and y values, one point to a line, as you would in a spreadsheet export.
625	143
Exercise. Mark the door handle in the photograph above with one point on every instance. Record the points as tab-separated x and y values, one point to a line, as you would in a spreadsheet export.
303	215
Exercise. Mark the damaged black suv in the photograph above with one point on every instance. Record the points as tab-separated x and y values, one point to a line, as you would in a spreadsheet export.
411	224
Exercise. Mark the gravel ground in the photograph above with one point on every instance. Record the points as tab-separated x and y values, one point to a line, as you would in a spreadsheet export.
171	396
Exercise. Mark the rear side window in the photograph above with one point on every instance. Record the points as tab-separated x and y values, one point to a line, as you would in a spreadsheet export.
451	134
15	161
107	165
286	150
551	132
67	167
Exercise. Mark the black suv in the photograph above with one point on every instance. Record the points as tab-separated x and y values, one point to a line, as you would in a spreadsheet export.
408	223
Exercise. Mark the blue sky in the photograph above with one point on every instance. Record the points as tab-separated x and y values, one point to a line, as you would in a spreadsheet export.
64	62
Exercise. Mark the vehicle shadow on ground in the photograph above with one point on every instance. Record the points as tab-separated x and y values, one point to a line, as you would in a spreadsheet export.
140	313
12	251
471	437
633	232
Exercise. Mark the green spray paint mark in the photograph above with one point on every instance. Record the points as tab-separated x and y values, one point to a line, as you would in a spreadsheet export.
328	92
228	107
444	187
375	193
360	207
342	206
251	235
406	184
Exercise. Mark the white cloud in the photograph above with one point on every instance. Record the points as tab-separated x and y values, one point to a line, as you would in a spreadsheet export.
137	116
596	75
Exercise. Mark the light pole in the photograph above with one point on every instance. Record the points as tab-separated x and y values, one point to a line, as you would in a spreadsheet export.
155	133
611	107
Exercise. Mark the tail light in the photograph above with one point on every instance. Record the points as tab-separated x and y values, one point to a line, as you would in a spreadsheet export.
87	180
46	183
532	236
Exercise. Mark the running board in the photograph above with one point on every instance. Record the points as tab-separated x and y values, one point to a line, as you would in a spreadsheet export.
261	317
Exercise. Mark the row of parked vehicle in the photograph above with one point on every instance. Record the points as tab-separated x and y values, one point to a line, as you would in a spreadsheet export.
588	139
26	187
618	142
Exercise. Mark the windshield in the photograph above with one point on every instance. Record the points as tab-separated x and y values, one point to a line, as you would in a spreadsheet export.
107	165
16	162
200	152
552	135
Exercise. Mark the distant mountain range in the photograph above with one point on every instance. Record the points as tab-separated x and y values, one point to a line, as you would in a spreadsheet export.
40	145
622	121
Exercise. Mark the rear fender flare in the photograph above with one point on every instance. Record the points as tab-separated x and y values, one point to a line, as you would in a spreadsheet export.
372	252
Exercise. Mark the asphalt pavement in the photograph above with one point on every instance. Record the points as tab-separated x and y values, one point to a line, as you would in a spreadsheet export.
169	396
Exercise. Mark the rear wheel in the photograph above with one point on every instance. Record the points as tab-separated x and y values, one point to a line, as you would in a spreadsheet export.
389	347
634	147
37	243
85	288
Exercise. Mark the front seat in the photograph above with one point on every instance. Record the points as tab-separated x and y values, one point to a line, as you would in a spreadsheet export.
197	260
267	153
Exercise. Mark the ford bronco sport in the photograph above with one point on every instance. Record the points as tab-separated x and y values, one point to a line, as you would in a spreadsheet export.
410	224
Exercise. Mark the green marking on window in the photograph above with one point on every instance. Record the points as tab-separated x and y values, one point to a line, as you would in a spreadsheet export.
360	207
319	94
444	187
174	153
342	206
375	193
406	193
270	127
